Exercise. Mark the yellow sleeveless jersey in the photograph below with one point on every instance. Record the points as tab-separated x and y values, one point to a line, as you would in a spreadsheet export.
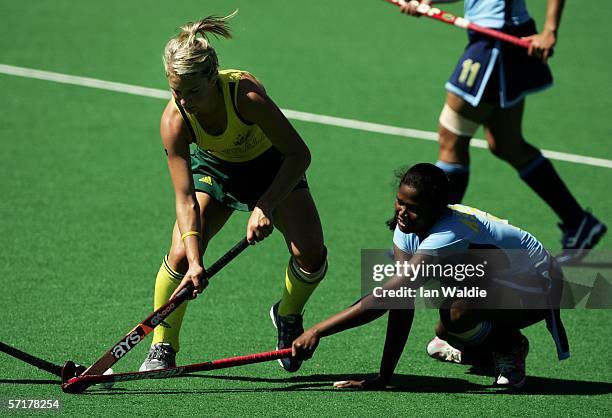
241	141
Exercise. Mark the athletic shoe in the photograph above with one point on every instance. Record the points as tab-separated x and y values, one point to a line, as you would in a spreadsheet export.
443	351
161	356
575	242
510	366
289	328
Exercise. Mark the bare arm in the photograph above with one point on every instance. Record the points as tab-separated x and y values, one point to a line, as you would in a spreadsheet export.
542	43
255	105
175	139
399	325
554	10
367	310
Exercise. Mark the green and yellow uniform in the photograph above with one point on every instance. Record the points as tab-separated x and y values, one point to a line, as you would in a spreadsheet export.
235	168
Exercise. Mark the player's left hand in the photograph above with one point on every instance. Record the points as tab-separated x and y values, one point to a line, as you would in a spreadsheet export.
542	45
378	383
259	225
304	346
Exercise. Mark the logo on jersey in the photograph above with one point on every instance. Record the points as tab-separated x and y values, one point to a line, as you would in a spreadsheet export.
206	179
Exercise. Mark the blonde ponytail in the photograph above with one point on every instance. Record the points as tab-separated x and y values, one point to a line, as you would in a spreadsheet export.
191	54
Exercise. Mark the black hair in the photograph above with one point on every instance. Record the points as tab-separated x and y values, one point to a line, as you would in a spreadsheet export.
431	184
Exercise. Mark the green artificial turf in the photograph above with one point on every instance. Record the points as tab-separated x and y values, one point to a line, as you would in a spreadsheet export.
86	204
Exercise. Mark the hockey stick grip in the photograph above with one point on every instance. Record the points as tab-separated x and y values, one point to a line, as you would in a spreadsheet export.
187	291
226	258
451	19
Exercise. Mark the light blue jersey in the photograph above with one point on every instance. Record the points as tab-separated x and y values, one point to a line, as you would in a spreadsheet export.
465	228
496	13
469	228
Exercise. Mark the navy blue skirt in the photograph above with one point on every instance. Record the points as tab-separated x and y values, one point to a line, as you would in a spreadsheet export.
497	72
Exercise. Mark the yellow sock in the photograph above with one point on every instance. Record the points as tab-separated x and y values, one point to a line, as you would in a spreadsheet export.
166	282
299	285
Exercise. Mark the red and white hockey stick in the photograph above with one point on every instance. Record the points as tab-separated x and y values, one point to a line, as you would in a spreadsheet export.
136	335
80	383
451	19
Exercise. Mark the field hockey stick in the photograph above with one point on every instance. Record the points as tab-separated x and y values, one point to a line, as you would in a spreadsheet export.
136	335
80	383
32	360
451	19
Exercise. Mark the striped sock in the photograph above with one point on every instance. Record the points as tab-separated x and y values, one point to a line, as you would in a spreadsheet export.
299	285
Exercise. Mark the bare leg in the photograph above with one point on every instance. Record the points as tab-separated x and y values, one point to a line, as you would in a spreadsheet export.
213	216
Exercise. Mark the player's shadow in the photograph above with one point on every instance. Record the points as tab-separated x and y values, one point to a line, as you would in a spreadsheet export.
324	382
312	383
400	383
428	384
536	385
29	382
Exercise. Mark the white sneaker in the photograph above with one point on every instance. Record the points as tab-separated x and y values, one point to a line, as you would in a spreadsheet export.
443	351
161	356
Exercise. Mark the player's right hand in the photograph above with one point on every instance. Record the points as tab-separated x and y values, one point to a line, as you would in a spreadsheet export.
304	346
194	276
410	7
259	226
542	45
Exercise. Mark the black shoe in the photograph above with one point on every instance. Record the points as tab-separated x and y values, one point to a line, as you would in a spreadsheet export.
289	328
510	366
577	241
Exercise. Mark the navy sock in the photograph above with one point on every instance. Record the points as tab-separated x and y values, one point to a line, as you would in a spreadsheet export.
543	179
458	176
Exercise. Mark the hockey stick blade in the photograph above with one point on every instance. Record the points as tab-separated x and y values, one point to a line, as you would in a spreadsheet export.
137	334
80	383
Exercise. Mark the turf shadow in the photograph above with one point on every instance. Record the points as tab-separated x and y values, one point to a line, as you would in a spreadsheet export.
536	385
318	382
29	382
401	383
